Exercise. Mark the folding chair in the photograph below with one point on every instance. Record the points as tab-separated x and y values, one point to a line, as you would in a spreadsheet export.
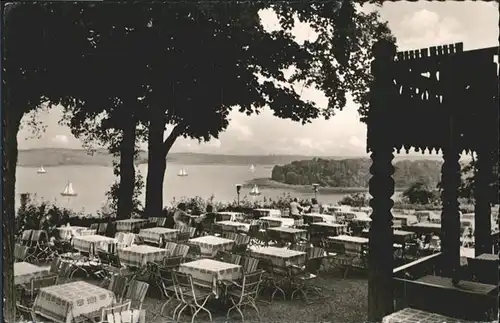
112	310
181	250
39	282
117	285
102	229
136	291
21	253
190	296
245	294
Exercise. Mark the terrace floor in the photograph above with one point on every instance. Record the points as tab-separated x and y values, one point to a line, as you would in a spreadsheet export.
344	300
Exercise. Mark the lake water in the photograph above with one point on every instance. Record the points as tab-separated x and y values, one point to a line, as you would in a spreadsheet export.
92	182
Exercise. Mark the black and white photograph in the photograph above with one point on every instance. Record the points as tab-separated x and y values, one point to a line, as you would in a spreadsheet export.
250	161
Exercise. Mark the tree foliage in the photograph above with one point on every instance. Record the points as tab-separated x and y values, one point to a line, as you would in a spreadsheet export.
354	172
467	185
420	193
355	200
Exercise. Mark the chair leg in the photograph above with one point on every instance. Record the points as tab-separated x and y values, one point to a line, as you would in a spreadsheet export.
180	312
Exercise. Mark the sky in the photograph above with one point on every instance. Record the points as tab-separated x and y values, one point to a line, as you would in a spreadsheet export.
414	24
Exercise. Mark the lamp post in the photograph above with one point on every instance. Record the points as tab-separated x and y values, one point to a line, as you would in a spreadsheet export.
238	190
315	188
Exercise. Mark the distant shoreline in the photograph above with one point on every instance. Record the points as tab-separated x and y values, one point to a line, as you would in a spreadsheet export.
269	183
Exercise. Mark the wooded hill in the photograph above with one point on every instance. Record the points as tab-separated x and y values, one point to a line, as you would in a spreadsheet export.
354	172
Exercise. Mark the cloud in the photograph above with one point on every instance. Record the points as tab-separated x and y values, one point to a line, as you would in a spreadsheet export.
425	28
240	129
60	139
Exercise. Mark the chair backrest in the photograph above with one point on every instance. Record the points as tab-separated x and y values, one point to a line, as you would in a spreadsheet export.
172	262
136	291
127	316
194	250
65	269
117	285
114	260
54	265
181	250
299	247
94	226
251	283
39	236
183	284
120	236
103	257
161	222
242	239
170	246
191	231
250	264
20	252
26	236
230	235
183	236
40	282
116	308
102	228
315	253
26	313
253	229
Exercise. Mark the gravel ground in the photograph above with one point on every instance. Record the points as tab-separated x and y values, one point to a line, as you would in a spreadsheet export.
343	300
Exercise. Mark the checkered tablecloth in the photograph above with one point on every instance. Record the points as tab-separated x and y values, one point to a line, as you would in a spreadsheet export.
284	222
152	235
211	244
279	256
140	255
24	271
417	316
207	272
289	233
238	225
67	302
93	243
129	225
67	232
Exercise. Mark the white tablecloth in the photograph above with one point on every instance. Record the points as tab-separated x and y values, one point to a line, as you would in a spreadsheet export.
129	224
211	244
279	256
239	225
152	235
94	242
63	303
208	272
67	232
284	222
139	255
24	271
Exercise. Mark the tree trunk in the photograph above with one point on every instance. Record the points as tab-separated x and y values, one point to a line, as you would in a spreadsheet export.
127	171
157	164
10	128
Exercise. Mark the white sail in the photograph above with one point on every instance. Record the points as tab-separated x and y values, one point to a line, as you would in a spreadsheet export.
182	172
41	170
252	168
68	190
255	190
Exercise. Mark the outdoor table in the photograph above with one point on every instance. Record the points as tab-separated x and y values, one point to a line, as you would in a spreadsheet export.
152	235
259	213
229	216
129	225
239	225
208	272
24	271
65	303
283	222
280	257
414	315
332	229
289	234
211	244
318	217
91	243
140	255
353	245
67	232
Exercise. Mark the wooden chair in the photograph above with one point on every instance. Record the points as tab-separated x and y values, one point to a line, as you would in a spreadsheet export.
181	250
25	313
39	282
190	296
245	294
249	264
117	285
166	280
20	253
94	226
161	222
136	292
101	230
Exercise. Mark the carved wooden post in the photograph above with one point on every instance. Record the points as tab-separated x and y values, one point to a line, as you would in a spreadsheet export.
380	255
450	176
482	207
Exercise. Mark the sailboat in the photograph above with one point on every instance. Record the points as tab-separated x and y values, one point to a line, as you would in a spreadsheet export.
252	168
41	170
255	191
68	190
182	172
